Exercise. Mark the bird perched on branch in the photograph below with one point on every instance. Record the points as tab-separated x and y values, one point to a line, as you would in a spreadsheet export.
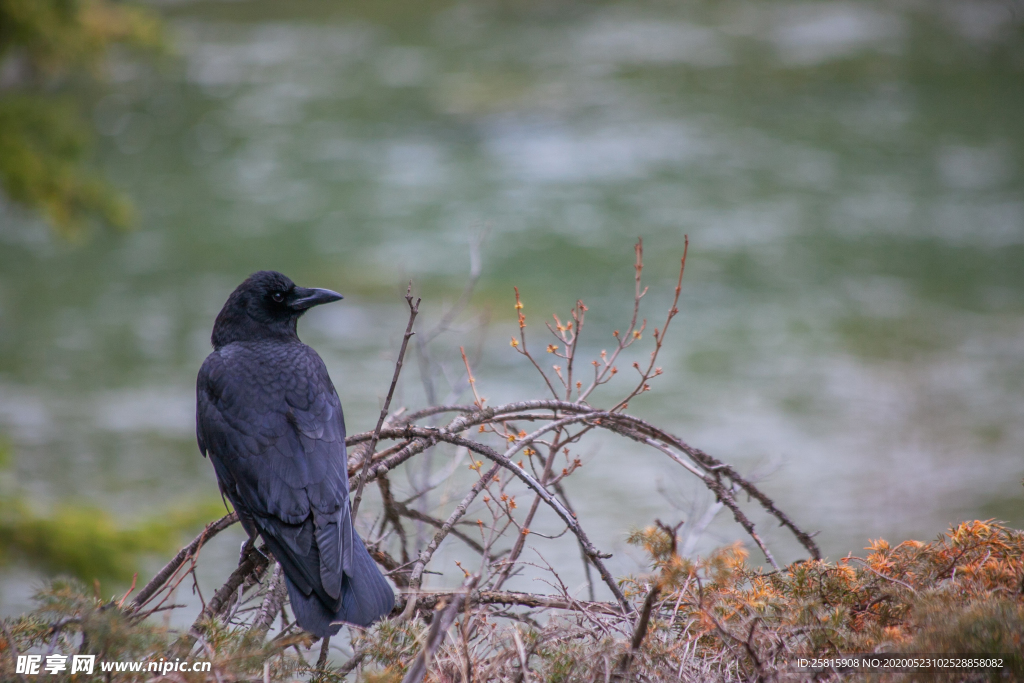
270	419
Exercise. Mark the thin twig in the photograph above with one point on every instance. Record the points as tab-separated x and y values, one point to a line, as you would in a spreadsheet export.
602	375
640	427
887	578
427	600
638	634
428	552
253	564
409	418
414	309
356	659
392	515
659	336
439	625
325	648
162	576
583	551
411	513
524	350
272	601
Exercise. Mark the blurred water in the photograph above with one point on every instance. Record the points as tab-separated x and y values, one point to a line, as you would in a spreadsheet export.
850	175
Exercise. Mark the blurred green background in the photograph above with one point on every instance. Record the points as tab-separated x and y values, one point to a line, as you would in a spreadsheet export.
850	174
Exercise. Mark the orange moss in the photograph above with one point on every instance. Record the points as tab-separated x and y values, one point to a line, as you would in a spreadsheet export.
962	593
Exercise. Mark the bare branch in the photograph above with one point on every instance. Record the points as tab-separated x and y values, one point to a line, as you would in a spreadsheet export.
411	513
439	625
427	600
272	601
570	521
621	423
408	551
525	350
252	566
638	633
608	369
192	549
417	571
427	412
659	336
414	309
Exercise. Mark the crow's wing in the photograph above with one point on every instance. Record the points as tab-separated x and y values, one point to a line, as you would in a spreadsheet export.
271	421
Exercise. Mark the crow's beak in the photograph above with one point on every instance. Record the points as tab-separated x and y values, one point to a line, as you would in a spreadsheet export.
307	298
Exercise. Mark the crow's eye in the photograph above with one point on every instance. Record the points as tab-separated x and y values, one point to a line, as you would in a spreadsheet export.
277	296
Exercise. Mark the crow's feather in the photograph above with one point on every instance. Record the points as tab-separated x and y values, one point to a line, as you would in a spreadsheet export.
270	419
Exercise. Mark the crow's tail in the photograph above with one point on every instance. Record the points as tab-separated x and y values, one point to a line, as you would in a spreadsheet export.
366	596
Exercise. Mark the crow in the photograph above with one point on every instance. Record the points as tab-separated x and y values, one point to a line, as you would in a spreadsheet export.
268	416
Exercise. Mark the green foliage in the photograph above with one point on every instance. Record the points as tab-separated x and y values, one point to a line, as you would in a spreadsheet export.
567	660
42	142
87	542
991	624
43	139
242	651
59	36
108	630
393	642
69	619
6	453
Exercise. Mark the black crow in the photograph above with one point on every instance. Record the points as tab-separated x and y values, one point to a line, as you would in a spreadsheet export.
269	417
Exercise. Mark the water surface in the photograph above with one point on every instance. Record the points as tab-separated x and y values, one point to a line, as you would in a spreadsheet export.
850	176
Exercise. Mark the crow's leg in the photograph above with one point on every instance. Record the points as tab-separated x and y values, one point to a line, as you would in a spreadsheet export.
246	545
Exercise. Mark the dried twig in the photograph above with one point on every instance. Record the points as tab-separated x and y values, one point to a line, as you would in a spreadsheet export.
621	423
325	649
272	601
502	532
252	566
592	552
438	627
427	600
604	370
639	633
414	309
191	550
355	660
447	318
406	511
421	562
392	515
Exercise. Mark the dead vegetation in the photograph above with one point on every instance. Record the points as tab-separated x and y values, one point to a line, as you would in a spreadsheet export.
714	618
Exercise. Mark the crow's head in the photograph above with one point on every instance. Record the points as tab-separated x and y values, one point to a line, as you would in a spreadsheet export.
266	306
